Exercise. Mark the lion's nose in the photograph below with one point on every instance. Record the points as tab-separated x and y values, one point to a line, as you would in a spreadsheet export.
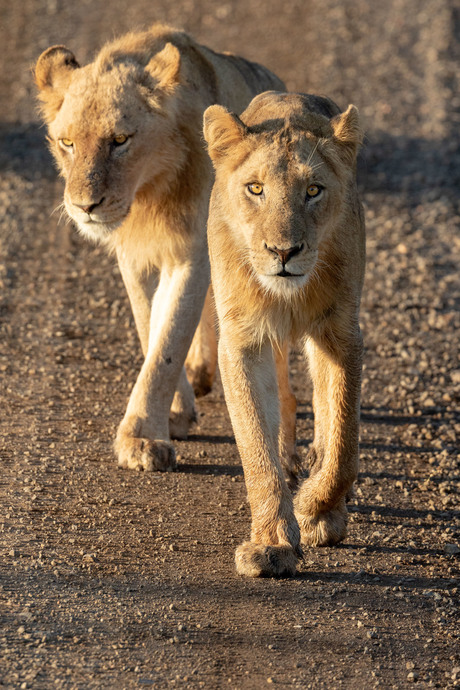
285	254
89	208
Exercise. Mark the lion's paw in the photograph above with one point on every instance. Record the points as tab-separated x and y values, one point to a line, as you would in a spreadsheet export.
292	466
201	378
179	424
144	454
259	560
325	529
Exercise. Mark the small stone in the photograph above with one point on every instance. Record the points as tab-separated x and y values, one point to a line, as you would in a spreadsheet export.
455	375
173	547
412	676
451	549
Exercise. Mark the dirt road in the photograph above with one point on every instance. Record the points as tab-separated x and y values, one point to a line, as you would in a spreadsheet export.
114	579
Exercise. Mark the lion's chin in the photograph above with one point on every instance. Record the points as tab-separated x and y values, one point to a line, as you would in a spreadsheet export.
95	231
283	286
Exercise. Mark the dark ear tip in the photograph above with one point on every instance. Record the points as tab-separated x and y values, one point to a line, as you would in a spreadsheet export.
67	57
54	57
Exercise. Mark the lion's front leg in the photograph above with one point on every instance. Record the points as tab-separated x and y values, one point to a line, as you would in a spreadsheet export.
320	503
251	393
143	438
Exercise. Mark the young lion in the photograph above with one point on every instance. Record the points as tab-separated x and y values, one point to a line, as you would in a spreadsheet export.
126	133
287	248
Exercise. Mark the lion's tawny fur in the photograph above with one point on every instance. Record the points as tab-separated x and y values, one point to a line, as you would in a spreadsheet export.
287	247
126	132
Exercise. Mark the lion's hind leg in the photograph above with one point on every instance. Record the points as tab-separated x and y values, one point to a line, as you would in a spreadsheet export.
289	457
201	362
183	413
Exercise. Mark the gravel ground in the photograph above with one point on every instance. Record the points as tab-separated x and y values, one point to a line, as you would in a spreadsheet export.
113	579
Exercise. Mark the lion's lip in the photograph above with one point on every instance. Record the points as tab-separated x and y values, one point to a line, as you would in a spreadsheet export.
109	223
98	217
90	220
286	274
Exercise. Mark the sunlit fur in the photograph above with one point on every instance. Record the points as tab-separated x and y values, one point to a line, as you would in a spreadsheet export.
285	143
125	131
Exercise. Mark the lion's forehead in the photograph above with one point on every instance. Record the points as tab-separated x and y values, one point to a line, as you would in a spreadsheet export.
285	159
102	104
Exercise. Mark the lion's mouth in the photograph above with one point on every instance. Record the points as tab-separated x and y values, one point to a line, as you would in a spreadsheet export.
286	274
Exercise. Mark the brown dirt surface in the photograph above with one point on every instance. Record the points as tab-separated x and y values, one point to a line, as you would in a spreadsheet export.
115	579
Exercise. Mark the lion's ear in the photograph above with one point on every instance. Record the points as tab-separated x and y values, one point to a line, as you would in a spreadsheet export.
348	133
164	67
221	130
53	71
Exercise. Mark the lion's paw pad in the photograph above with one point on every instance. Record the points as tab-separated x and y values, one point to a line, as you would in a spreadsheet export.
259	560
144	454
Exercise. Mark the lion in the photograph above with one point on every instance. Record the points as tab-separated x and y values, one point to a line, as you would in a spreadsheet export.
126	132
286	239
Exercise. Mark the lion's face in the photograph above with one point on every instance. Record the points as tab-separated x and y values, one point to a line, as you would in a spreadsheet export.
284	196
280	188
108	129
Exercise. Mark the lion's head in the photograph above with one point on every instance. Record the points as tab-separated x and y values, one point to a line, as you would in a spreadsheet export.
110	125
283	169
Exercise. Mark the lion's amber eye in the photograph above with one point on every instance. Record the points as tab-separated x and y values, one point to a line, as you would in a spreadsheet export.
256	188
68	143
120	139
313	190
